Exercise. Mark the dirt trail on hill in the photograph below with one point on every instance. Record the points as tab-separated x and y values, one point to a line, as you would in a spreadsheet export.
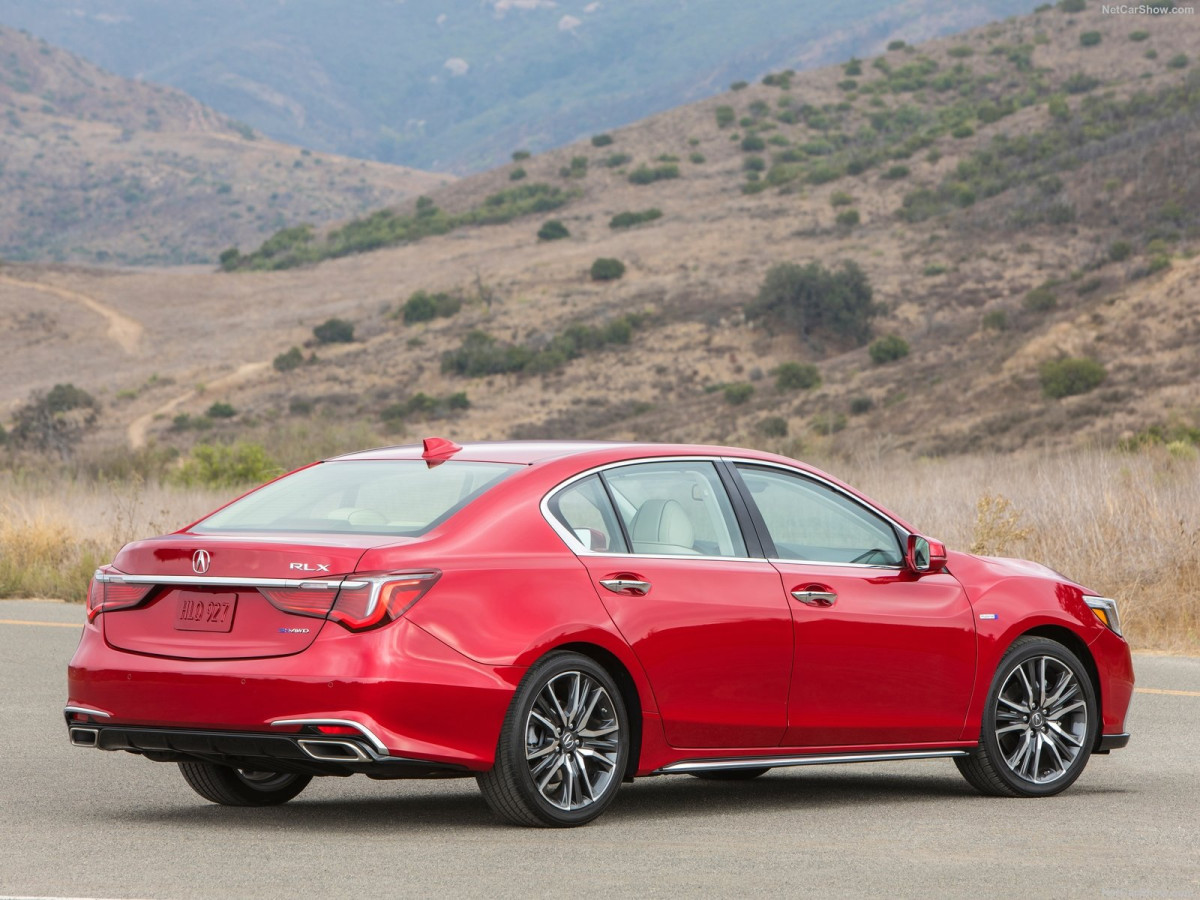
138	427
123	330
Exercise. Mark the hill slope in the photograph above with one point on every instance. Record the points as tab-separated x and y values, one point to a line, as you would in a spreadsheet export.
94	167
1022	193
457	84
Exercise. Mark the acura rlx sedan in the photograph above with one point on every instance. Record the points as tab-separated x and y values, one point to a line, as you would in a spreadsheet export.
555	619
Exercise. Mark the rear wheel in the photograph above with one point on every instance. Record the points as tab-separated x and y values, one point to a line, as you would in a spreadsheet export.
242	787
732	774
563	746
1039	724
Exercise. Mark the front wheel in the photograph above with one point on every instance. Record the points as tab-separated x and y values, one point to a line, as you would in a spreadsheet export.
563	746
242	787
1039	724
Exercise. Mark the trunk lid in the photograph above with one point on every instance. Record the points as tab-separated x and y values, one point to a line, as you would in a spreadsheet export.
226	596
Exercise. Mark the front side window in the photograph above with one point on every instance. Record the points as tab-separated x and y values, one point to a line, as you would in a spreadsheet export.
675	508
811	521
403	497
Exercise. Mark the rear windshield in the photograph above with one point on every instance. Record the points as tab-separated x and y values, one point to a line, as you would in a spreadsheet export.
397	497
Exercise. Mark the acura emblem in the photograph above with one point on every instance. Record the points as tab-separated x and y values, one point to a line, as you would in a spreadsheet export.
200	561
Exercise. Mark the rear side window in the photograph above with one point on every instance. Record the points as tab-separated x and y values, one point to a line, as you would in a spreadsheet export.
403	497
583	508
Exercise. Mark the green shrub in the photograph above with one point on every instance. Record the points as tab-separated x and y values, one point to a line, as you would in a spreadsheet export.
1089	38
772	426
1178	61
852	68
1138	35
888	348
754	164
933	269
794	376
860	405
601	140
1040	299
1151	54
1118	251
517	174
644	174
725	116
1069	376
848	84
962	131
221	411
576	169
840	198
629	219
1158	263
739	86
827	423
737	394
848	218
481	354
1058	107
696	157
812	300
519	155
334	331
553	230
896	45
1080	83
1072	6
424	307
962	51
752	143
607	269
55	421
229	259
995	320
226	466
896	172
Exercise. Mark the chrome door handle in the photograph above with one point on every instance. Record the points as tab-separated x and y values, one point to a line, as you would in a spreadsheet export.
816	598
626	586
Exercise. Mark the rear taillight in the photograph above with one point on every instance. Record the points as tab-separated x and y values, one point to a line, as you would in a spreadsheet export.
315	602
108	593
381	599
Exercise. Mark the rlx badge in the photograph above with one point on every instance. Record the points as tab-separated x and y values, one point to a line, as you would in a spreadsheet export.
306	567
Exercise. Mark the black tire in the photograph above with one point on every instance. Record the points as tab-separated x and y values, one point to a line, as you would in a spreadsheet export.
566	730
731	774
242	787
1041	703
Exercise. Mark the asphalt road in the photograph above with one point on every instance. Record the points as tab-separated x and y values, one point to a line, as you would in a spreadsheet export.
83	823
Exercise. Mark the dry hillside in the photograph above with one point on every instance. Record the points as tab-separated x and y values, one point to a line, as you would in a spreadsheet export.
1055	151
98	168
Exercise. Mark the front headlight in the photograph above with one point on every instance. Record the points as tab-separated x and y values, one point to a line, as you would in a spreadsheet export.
1106	611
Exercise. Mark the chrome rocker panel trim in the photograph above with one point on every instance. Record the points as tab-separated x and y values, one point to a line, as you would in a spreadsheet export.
779	762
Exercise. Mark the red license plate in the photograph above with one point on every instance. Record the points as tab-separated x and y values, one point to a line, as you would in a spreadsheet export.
211	613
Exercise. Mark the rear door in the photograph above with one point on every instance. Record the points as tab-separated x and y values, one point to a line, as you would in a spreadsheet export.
883	655
705	619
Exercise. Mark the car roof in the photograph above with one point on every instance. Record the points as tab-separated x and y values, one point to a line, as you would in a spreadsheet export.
535	452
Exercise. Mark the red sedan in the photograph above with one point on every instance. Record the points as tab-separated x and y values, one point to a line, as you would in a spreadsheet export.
557	618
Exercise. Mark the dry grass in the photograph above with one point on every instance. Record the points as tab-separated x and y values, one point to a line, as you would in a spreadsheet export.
1127	526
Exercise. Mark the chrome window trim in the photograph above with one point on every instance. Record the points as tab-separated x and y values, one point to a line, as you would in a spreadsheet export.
231	581
576	546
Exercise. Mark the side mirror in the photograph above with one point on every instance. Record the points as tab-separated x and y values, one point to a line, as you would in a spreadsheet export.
925	555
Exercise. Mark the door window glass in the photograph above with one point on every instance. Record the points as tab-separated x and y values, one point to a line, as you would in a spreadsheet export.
808	520
675	509
583	508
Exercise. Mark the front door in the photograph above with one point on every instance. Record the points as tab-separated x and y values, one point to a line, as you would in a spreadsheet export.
883	655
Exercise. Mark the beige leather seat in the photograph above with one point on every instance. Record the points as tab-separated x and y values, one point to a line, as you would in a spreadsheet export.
661	526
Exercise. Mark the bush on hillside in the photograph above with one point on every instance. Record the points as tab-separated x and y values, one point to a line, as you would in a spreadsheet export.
424	307
1070	375
888	348
226	466
292	359
794	376
644	174
553	230
1040	299
629	219
601	140
334	331
812	300
607	269
55	421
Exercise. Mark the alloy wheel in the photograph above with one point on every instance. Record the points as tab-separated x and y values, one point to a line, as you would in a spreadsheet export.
1041	719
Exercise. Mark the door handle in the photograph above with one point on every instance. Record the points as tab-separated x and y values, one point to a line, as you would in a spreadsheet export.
628	586
816	598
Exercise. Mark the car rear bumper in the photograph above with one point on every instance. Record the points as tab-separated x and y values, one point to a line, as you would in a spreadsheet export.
1110	742
308	752
402	693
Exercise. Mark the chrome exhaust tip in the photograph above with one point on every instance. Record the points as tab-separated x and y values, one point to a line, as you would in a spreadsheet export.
84	737
332	751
